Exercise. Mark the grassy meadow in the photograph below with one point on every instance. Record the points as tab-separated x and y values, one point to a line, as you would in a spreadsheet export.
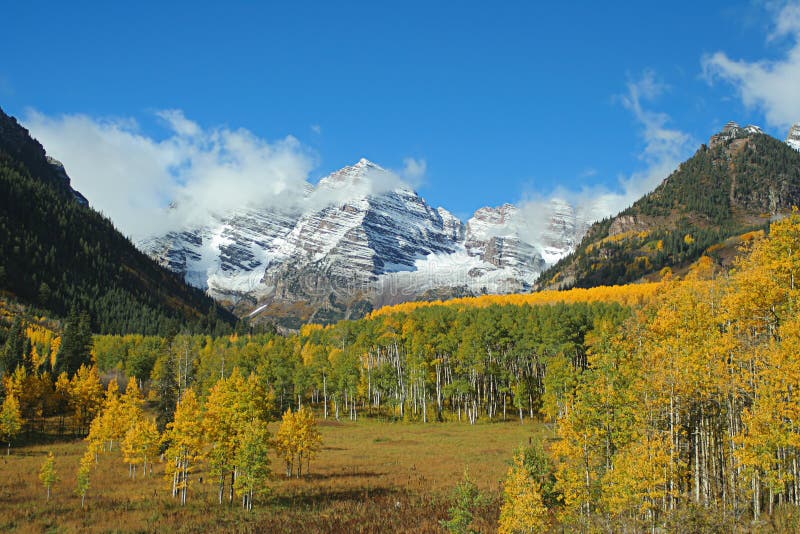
370	476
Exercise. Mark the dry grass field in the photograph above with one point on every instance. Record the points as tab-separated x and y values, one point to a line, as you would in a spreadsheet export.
369	477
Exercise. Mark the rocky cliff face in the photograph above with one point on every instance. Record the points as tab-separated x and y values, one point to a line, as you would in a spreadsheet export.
732	131
361	239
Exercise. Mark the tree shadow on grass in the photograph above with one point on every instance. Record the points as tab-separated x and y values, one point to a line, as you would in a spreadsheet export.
342	474
327	496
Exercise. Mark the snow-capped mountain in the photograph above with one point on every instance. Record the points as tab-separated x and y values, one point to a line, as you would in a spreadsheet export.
793	138
359	239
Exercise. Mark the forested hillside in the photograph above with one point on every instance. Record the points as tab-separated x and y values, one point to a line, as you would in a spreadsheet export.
737	183
58	254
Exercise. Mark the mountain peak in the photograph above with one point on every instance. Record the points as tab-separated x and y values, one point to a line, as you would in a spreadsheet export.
360	174
732	130
793	137
364	162
729	127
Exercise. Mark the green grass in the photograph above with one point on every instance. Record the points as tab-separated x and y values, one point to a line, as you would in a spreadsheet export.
370	476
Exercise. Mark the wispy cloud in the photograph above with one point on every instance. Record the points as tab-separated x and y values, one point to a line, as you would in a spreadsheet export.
664	148
132	177
771	86
316	128
414	170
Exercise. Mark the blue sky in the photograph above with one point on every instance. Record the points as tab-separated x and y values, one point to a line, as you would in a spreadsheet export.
495	102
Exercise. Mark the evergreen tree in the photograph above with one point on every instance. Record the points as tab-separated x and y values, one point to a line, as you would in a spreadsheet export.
165	383
14	349
76	344
466	497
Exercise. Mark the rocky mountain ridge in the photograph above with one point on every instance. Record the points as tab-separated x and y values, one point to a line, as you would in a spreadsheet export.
360	240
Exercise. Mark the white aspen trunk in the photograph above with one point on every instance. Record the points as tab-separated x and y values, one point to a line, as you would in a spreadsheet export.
671	449
424	405
696	438
530	405
756	497
325	393
175	478
438	392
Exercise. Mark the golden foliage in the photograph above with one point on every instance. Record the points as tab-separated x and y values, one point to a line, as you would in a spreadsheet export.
628	295
523	510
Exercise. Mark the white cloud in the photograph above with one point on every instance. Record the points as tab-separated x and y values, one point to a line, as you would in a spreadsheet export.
316	128
773	86
178	122
414	170
132	177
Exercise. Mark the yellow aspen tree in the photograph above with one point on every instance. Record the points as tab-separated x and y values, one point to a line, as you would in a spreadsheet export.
140	444
47	473
309	439
232	403
10	420
85	397
252	462
133	426
61	399
115	416
20	385
523	510
82	479
285	440
638	482
96	438
132	397
221	423
185	438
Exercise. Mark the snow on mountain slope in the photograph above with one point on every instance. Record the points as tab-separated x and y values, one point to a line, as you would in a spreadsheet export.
362	235
793	139
229	255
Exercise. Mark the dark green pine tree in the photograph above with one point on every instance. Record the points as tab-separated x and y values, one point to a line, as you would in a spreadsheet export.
14	349
76	344
165	374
